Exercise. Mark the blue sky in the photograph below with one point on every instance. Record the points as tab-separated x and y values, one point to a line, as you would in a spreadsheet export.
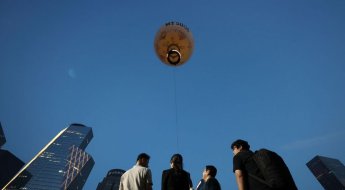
271	72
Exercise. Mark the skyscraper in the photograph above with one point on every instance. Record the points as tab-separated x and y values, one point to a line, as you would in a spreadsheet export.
329	172
112	180
61	164
10	164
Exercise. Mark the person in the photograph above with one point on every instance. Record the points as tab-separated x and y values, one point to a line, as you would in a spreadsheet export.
209	177
139	177
243	164
176	178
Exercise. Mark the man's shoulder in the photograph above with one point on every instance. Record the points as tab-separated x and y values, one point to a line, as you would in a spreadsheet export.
167	170
186	173
124	175
212	183
137	168
244	154
212	180
141	168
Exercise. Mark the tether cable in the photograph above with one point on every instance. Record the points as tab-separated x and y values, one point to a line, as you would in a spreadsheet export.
176	112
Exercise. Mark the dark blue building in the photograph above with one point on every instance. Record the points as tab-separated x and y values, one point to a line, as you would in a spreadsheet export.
329	172
61	164
9	163
112	180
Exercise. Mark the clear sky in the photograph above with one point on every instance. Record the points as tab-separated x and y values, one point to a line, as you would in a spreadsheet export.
270	72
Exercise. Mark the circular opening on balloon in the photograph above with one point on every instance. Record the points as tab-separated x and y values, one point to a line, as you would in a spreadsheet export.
174	57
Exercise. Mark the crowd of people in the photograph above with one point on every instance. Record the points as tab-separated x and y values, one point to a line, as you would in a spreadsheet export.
139	177
176	178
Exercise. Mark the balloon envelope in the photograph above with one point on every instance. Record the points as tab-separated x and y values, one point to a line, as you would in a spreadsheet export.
174	43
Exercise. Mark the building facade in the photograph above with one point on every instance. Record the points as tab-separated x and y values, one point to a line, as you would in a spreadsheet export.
61	164
329	172
10	164
112	180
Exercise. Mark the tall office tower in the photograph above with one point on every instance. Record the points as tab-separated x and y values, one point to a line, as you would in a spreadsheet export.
61	164
10	164
329	172
112	180
2	137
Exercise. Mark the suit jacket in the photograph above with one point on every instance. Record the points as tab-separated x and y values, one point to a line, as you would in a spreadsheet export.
176	180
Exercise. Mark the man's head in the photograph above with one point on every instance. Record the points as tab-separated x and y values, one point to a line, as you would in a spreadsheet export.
239	145
209	171
143	159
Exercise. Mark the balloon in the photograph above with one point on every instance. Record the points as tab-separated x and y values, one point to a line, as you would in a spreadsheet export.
174	43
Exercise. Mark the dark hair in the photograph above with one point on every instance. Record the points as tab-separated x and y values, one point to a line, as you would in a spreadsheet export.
177	160
143	155
240	143
212	169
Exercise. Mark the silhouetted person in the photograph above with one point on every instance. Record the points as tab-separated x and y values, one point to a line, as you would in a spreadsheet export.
209	177
244	164
176	178
139	177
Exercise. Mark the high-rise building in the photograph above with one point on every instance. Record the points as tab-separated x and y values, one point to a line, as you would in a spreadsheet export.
329	172
112	180
61	164
10	164
2	137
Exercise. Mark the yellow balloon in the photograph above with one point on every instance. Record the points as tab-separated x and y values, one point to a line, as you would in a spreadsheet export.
174	43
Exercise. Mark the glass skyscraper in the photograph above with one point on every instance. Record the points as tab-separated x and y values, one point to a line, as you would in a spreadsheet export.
329	172
112	180
9	163
61	164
